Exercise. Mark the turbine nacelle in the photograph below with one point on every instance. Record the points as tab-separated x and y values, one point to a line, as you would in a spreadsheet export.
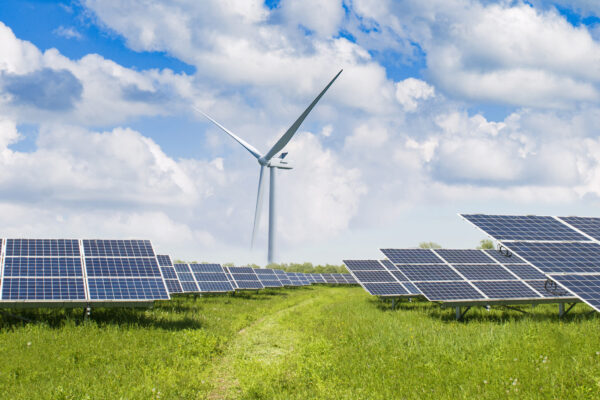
279	163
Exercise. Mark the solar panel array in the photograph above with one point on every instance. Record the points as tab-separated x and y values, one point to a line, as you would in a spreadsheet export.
471	276
211	278
564	249
80	271
268	277
244	278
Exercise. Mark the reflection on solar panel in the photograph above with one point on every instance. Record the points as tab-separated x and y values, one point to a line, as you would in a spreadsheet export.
411	256
586	287
186	278
268	277
169	274
523	227
245	278
373	277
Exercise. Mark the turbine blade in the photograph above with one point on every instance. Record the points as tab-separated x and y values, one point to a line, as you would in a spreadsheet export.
241	141
287	136
258	205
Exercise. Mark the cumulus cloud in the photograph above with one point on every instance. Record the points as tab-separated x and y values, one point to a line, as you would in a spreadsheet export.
67	32
410	91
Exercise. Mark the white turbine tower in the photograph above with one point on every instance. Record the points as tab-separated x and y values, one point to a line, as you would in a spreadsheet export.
268	161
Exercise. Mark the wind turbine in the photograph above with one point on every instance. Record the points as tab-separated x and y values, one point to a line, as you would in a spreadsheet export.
267	160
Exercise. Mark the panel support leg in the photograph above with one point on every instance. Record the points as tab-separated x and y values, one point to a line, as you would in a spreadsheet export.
460	314
87	311
393	304
561	309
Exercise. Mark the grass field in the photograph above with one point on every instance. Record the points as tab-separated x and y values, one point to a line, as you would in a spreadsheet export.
313	342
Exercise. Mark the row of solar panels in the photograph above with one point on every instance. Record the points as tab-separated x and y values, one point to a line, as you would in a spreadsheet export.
112	271
214	278
454	276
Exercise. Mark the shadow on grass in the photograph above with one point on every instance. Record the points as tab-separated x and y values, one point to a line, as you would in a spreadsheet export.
496	314
58	318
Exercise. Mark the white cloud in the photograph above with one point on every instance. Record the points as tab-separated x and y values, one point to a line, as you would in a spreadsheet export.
67	32
410	91
322	17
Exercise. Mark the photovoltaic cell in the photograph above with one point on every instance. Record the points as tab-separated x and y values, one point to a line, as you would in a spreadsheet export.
245	278
206	268
173	286
121	267
127	289
385	289
117	248
411	256
586	287
548	291
168	272
506	290
560	257
186	278
164	261
328	278
215	287
42	267
363	265
464	256
42	248
523	227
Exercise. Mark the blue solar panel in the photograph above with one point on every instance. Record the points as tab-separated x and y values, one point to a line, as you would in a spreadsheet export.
249	285
505	290
400	276
215	287
525	271
372	276
429	272
206	267
586	287
363	265
46	289
181	267
548	290
42	248
411	256
464	256
484	272
42	267
560	257
132	267
188	286
519	227
271	283
448	291
589	226
328	278
243	270
210	276
127	289
173	286
385	289
411	288
505	257
117	248
164	261
168	272
186	277
245	278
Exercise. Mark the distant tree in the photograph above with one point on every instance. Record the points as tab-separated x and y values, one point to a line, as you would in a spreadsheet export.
429	245
486	244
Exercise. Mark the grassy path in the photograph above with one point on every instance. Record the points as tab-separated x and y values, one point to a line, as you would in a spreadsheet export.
308	343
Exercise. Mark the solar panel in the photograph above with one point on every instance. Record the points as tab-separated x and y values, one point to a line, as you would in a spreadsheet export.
523	227
124	270
464	256
429	272
525	271
319	278
484	272
186	278
505	257
42	270
245	278
169	274
547	290
506	290
588	225
560	257
586	287
448	291
377	281
328	278
283	278
210	278
411	256
268	277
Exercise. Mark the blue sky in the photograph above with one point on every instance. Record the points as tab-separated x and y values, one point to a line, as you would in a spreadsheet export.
443	107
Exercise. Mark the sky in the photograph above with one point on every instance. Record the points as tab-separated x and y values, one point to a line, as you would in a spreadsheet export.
443	107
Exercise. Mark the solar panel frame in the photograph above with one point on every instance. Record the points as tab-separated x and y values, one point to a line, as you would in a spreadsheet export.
245	278
585	287
186	278
378	281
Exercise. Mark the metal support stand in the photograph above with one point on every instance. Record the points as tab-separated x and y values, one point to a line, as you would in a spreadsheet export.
7	314
514	309
393	304
561	309
459	314
87	311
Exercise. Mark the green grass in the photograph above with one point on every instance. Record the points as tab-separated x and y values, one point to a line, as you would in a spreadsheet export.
317	342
